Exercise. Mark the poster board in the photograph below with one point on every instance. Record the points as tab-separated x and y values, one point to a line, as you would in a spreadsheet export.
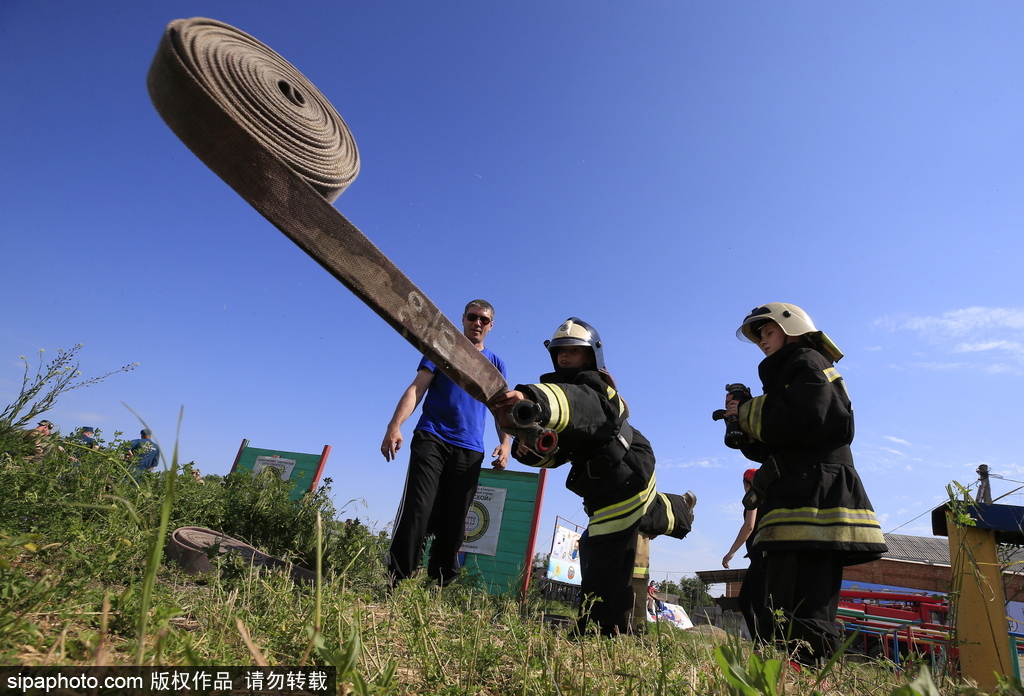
564	559
504	511
672	613
301	470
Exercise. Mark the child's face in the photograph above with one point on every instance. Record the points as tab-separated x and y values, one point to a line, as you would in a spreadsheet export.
573	357
772	338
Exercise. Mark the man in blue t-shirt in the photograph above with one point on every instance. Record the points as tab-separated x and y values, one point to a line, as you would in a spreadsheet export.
86	437
444	462
147	451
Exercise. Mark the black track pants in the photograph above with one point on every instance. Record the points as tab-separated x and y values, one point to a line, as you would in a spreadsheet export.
439	488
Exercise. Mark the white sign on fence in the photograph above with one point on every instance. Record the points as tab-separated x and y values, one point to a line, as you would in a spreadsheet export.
484	521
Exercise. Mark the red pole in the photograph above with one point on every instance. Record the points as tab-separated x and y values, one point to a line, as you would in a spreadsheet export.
320	468
245	442
534	526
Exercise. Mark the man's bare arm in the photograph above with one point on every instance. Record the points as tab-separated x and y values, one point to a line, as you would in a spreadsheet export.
406	405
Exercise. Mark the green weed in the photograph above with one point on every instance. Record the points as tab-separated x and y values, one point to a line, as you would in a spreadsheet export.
83	581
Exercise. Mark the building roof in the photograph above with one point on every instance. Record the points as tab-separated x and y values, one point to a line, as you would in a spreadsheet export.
917	549
714	577
902	547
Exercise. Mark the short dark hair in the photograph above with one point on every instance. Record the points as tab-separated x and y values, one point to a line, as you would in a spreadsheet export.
481	304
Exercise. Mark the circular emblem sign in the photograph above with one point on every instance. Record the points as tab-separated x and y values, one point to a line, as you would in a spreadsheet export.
477	522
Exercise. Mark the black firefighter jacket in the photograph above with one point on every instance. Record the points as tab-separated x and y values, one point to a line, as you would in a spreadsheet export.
612	463
801	429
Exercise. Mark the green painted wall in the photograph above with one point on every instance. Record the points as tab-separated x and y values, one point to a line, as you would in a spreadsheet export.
502	572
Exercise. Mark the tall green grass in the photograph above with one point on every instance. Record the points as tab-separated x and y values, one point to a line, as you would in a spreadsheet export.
83	582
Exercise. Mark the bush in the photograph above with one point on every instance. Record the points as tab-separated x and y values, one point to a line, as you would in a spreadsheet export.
101	515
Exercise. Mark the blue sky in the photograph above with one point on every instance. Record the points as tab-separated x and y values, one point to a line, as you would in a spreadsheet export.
657	169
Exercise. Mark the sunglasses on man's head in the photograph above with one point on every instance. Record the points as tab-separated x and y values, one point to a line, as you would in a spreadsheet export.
483	318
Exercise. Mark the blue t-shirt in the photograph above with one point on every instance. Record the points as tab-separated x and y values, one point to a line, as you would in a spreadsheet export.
148	451
451	413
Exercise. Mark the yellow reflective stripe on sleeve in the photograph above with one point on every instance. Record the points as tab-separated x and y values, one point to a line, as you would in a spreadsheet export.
750	416
611	393
831	374
668	513
622	515
558	405
547	462
640	572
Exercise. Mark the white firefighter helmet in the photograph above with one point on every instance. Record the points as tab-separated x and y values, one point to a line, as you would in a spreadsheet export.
793	321
576	332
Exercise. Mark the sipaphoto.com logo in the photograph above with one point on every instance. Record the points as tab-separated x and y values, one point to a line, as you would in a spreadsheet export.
27	683
166	681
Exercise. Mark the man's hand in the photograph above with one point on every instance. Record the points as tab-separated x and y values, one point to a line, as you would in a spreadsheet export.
501	404
392	443
500	455
406	405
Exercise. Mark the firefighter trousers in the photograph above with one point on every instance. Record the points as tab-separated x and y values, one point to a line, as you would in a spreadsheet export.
805	585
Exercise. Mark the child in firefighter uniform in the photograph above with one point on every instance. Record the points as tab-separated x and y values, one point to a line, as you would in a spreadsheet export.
612	470
814	516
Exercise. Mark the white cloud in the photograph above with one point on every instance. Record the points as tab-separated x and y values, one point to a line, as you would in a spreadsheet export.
733	509
988	339
706	463
969	321
1011	346
940	366
897	440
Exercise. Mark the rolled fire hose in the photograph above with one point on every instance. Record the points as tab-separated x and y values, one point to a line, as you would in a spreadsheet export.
191	548
273	137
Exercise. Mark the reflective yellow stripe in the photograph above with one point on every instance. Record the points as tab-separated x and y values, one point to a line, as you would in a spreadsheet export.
750	417
814	516
611	397
831	374
810	532
617	509
846	525
557	404
547	462
639	572
669	512
624	514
